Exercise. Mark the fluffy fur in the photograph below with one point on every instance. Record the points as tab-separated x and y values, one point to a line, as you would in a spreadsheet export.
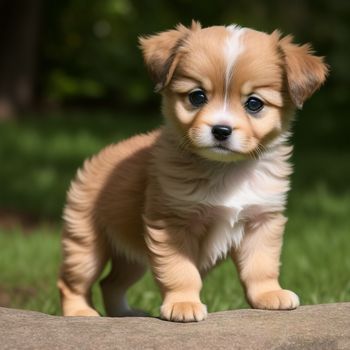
179	200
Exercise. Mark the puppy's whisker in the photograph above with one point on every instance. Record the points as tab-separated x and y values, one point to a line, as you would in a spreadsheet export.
258	152
184	144
262	147
252	154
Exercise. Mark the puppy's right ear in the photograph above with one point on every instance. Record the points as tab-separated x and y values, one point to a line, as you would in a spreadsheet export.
161	52
305	71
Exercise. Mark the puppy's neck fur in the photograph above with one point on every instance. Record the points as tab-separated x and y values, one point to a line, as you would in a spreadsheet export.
189	177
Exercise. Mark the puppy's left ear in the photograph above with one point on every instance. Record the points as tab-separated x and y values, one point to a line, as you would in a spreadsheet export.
305	71
161	52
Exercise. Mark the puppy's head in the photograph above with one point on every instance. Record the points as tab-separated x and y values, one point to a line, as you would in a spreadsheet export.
230	91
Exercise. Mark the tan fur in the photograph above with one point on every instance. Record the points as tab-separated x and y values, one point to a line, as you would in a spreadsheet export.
170	200
305	72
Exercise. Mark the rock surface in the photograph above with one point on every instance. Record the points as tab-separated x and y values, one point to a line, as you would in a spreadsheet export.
309	327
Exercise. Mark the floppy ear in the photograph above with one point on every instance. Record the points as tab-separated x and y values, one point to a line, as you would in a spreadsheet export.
305	72
161	52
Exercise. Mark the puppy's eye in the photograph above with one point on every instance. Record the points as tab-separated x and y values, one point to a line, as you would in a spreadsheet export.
197	98
254	105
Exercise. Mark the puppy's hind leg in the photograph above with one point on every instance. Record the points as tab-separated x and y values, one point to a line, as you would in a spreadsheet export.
123	274
84	257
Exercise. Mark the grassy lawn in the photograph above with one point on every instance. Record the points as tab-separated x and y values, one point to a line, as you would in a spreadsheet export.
40	156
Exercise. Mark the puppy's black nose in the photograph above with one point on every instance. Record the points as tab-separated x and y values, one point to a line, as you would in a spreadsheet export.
221	132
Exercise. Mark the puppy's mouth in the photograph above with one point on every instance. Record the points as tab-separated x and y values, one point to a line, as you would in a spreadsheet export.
221	149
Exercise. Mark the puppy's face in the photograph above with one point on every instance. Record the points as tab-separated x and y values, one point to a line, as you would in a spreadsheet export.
230	91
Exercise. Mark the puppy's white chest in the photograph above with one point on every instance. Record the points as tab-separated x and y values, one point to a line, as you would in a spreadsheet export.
223	200
224	233
234	206
248	196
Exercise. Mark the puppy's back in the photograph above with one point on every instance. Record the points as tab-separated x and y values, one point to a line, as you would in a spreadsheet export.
108	191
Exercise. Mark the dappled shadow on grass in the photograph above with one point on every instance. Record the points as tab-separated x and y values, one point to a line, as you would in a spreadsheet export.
12	296
41	155
321	168
24	221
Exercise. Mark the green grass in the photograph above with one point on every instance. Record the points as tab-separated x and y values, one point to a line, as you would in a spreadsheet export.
40	156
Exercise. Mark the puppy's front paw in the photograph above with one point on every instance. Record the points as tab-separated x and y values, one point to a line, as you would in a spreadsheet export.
282	299
184	311
84	312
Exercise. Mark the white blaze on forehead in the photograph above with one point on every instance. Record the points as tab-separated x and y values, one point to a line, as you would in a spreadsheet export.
233	48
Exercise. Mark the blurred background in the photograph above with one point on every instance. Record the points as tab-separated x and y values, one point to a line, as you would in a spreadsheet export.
72	80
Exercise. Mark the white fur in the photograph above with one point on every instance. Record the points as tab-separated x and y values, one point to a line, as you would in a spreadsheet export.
225	196
232	50
220	240
206	140
245	192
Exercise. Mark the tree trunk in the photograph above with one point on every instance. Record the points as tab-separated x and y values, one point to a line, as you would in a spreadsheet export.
19	23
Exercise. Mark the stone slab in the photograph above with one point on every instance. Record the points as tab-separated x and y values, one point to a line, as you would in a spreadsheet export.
309	327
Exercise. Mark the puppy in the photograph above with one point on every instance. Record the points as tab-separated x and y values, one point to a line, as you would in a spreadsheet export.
212	182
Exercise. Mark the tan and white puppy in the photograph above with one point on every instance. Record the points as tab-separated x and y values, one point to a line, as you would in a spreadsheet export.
212	182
